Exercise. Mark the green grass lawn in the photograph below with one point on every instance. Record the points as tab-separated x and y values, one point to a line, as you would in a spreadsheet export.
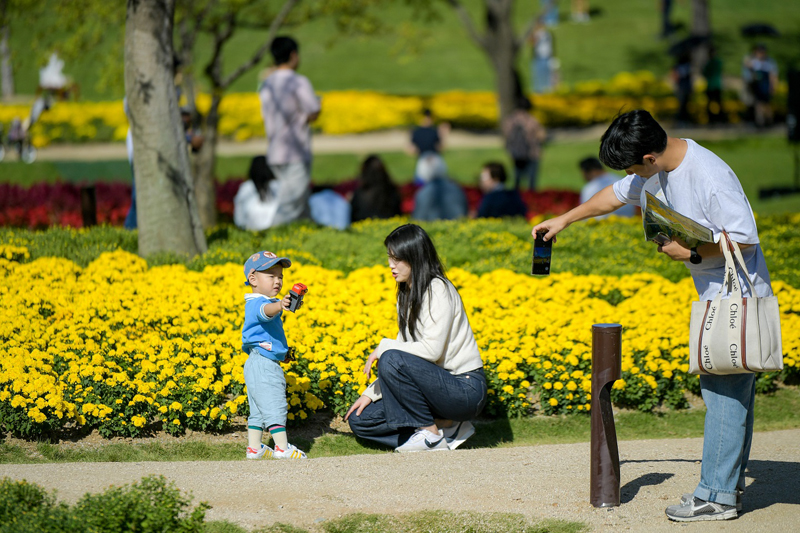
776	411
759	161
622	36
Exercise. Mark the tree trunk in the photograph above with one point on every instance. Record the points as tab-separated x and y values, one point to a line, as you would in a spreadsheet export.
701	27
167	212
6	70
204	164
501	47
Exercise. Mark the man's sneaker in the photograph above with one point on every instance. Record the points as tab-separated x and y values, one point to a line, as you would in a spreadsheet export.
687	497
424	441
265	451
696	509
291	452
456	434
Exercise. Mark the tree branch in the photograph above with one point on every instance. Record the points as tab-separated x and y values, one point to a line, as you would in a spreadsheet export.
220	38
277	22
529	29
466	20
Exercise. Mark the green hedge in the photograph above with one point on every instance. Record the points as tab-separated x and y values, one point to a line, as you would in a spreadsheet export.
153	505
611	247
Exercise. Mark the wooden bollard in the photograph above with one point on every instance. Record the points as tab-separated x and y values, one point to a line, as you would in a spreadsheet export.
606	369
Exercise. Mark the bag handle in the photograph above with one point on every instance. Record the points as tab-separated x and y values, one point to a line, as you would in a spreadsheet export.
737	254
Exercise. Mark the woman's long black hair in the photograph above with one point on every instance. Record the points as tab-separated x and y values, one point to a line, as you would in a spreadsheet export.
411	244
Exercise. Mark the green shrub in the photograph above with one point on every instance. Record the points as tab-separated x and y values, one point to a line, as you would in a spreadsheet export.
614	247
153	505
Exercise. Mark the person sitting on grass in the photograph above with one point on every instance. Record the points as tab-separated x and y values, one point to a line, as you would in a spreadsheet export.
498	201
264	339
430	378
440	198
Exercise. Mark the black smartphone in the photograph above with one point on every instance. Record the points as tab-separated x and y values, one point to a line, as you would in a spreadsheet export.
542	250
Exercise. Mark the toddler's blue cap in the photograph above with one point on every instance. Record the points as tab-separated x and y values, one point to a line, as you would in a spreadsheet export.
263	261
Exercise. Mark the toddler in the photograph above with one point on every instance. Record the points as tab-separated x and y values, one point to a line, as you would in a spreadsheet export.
263	338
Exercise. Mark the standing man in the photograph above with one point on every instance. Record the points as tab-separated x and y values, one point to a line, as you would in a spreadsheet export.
698	184
288	107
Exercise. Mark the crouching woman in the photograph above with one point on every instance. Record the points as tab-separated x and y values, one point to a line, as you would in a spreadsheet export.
430	378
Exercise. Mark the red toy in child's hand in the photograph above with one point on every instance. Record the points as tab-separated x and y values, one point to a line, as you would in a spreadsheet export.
296	296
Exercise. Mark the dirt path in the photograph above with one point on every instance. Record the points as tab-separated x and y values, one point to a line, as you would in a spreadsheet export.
380	141
549	481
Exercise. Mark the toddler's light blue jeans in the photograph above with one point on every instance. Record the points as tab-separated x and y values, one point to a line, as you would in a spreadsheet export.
727	436
266	391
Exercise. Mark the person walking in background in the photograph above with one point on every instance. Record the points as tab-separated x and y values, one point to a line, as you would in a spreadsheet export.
597	179
579	10
427	136
760	74
498	201
712	72
543	47
288	107
549	11
697	184
440	198
682	78
256	201
524	136
376	195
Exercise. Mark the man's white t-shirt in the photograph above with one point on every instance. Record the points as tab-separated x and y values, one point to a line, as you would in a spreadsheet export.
706	190
287	99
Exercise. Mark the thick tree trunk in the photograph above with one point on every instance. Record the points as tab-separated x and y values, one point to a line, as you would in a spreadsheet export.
701	27
6	70
167	212
500	46
204	164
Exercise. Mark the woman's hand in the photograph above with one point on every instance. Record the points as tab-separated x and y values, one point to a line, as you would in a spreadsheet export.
358	406
370	361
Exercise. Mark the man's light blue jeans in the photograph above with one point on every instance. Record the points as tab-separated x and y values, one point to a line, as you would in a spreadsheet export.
727	436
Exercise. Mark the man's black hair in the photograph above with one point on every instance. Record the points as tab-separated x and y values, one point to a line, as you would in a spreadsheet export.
590	163
629	138
282	48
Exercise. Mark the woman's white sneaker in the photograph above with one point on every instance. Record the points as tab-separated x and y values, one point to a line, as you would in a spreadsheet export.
456	434
424	441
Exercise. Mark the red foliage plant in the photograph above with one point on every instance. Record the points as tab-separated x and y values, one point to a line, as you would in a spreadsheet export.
43	205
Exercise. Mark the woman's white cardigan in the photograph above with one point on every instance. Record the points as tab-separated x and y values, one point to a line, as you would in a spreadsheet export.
444	336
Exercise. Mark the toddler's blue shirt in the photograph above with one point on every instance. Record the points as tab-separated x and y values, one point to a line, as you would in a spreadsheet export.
261	332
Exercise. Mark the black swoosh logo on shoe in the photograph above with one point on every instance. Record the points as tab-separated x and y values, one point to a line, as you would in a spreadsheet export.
429	444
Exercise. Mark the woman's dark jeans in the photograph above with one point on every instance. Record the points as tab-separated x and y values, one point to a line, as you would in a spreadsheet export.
415	392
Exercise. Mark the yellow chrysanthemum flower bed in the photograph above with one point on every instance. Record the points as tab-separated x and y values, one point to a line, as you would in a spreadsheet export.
354	111
120	347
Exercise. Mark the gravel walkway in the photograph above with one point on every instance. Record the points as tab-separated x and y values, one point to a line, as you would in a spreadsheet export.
550	481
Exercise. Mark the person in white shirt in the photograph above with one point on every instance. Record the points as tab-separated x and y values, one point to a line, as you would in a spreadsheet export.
256	201
597	179
288	107
698	184
430	378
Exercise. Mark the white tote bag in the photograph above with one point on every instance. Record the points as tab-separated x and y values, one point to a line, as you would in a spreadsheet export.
735	335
